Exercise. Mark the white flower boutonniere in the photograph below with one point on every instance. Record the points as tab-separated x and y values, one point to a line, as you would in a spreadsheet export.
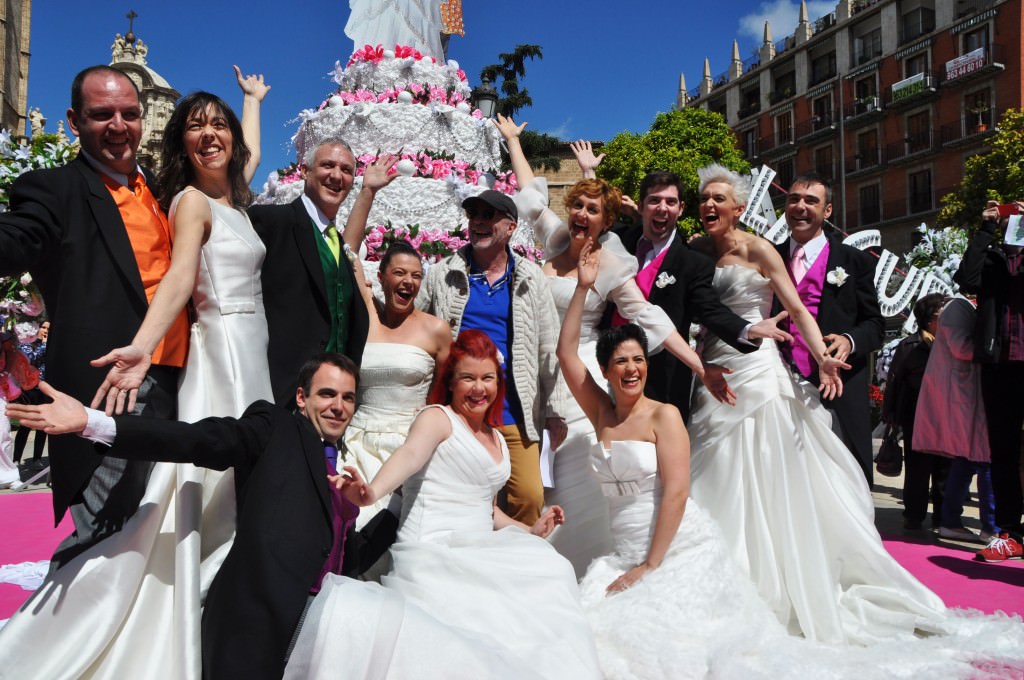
837	276
664	279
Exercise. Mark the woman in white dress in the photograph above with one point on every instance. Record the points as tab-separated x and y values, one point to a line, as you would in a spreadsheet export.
592	205
146	582
473	593
403	347
791	501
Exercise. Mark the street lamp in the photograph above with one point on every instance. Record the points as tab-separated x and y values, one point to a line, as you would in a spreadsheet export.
485	97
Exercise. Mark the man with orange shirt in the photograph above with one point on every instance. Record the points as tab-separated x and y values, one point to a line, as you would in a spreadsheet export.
97	245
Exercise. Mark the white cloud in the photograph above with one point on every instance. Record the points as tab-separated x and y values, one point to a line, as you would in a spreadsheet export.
782	15
563	131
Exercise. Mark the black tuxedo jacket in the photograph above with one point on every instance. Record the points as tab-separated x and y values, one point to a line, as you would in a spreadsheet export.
850	309
295	296
690	298
65	229
283	534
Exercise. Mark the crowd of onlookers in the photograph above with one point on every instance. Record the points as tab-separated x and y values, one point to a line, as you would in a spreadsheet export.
953	390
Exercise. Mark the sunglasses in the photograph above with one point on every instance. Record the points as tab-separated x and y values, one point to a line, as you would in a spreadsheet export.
485	213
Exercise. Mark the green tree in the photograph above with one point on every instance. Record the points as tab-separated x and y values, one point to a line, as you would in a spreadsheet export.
997	175
539	147
678	141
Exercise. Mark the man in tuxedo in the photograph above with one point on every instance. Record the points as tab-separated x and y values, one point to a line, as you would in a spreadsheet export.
97	244
678	279
293	527
309	290
836	284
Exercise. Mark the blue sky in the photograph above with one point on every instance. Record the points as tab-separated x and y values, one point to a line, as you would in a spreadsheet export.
608	68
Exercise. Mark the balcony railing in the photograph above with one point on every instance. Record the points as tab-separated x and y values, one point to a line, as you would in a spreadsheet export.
749	110
974	64
775	141
863	106
781	95
861	5
911	144
814	124
912	88
973	125
820	75
967	7
865	159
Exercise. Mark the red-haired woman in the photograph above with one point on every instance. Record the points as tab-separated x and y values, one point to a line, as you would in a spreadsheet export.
485	593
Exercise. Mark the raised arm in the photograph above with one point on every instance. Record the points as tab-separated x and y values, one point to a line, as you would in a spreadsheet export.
771	265
253	90
673	449
586	391
191	220
510	131
430	428
375	178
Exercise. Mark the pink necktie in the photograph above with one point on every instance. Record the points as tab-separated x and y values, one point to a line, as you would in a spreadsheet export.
797	265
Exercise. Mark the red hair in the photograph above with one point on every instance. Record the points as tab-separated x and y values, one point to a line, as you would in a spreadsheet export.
476	345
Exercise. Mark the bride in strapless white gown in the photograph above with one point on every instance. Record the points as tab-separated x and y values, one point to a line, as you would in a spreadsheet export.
471	594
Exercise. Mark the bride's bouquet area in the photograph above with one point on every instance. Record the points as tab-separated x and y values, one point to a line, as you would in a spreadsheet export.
402	103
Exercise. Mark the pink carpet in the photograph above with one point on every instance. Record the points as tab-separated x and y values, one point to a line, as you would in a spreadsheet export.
28	535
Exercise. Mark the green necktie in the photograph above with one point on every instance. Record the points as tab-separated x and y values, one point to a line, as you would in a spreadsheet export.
333	244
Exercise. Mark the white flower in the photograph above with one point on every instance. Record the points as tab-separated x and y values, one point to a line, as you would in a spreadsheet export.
26	279
837	276
501	357
664	279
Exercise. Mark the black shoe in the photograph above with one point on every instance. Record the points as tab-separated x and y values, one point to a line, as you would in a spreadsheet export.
912	525
35	465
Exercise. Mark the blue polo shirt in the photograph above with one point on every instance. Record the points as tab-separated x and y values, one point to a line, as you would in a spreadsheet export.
489	309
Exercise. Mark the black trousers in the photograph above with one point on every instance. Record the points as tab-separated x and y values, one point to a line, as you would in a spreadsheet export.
921	469
1004	409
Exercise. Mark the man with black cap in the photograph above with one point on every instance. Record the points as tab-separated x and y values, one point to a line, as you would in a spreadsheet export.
487	287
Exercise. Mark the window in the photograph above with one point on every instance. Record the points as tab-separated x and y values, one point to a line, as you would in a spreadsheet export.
978	110
867	46
784	173
918	22
785	86
823	68
870	205
975	39
920	186
915	64
866	87
750	102
749	143
867	149
821	112
919	131
784	127
823	162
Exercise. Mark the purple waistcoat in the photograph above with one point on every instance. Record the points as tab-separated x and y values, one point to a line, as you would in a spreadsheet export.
809	289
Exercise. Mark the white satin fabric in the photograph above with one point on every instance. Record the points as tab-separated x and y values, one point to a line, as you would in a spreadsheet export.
463	600
411	23
130	606
394	379
8	469
791	501
585	534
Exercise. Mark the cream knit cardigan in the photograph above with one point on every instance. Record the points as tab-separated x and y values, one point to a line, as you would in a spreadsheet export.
535	373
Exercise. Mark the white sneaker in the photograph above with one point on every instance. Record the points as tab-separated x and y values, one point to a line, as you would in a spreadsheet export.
958	534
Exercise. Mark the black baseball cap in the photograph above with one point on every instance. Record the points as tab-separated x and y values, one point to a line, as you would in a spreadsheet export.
503	203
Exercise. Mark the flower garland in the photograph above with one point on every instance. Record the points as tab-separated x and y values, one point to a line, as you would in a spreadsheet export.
45	151
433	245
417	94
439	166
939	251
375	55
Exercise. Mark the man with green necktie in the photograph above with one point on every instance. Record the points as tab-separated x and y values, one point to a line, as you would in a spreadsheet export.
309	290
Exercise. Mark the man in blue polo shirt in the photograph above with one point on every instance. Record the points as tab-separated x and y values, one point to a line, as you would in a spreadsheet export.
485	286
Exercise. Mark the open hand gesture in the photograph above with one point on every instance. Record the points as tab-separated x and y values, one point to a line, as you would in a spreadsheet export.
714	381
378	174
585	157
120	388
508	128
830	384
64	414
252	86
588	265
353	487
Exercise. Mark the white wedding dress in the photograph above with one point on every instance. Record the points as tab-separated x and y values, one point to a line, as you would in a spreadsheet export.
394	379
463	601
697	616
585	533
129	607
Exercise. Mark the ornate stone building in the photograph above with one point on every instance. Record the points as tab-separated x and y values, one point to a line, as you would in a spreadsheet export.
128	54
15	30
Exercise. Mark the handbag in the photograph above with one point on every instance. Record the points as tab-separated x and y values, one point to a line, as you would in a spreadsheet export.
889	461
